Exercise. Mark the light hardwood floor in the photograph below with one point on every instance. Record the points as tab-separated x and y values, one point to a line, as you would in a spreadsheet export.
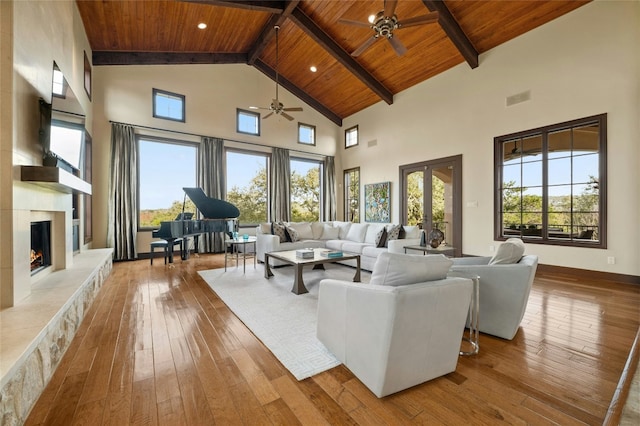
159	347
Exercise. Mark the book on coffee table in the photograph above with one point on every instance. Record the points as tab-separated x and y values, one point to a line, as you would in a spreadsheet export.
331	253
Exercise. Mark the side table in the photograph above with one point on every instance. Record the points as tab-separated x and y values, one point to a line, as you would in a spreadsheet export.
235	244
474	309
446	250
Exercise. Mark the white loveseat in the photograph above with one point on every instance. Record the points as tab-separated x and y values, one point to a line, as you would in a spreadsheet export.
403	328
349	237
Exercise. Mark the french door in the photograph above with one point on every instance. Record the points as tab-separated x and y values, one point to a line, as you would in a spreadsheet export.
431	196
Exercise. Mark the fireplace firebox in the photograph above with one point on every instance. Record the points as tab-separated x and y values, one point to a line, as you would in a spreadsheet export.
40	245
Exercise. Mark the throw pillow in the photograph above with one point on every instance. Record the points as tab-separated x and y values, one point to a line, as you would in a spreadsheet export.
393	233
381	237
412	231
265	228
304	230
330	232
357	232
292	234
277	228
511	251
401	269
317	228
372	232
344	229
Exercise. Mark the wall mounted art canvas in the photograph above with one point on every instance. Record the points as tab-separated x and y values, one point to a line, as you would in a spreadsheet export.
377	197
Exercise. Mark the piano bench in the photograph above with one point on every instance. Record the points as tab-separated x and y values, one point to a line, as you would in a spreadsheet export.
164	245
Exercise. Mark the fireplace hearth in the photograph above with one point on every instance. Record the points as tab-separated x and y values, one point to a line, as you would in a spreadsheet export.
40	246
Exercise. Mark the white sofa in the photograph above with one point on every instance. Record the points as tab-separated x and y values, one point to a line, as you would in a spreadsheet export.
393	336
349	237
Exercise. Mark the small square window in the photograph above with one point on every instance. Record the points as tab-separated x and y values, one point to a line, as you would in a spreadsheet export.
306	134
248	122
351	137
167	105
59	87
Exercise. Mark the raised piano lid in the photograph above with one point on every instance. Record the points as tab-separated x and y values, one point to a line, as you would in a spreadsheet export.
211	208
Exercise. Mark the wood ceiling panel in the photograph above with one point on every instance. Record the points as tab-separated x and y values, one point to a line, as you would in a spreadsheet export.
165	32
489	24
430	52
296	55
169	26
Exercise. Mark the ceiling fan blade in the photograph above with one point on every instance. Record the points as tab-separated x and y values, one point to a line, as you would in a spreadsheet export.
268	115
351	22
287	116
390	7
256	107
292	109
364	46
419	20
397	46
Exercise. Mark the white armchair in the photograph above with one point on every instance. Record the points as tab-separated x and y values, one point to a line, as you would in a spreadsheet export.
504	292
394	337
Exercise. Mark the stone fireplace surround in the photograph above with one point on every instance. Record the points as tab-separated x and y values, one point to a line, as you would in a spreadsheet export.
47	308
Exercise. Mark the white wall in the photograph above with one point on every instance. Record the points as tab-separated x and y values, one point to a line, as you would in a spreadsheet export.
212	94
42	32
584	63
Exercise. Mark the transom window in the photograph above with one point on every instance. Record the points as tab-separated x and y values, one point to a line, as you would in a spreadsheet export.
551	184
351	137
248	122
306	134
59	87
169	106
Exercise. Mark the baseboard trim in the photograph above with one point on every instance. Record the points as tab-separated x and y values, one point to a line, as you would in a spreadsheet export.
586	273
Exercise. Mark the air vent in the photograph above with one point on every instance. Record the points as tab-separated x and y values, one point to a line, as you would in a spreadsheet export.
519	98
373	142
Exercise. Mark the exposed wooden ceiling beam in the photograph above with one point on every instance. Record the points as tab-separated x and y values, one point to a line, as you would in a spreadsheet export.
453	31
267	32
258	5
299	93
166	58
341	55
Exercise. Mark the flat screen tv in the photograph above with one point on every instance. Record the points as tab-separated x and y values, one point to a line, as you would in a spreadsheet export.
62	129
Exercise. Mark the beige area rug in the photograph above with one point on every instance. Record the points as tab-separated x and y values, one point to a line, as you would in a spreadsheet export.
283	321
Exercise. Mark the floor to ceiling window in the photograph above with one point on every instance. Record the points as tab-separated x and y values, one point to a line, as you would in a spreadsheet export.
247	185
351	184
305	190
164	168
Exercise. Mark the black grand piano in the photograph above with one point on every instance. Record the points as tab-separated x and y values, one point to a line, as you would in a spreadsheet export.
217	216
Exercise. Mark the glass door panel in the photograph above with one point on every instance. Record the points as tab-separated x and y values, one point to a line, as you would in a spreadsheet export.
415	198
442	201
432	198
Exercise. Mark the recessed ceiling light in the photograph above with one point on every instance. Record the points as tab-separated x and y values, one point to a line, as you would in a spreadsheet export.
202	25
313	68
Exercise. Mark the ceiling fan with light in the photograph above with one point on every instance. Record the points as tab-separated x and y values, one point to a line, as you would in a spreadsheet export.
384	23
276	106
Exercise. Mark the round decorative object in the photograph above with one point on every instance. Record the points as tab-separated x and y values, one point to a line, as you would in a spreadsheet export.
434	243
436	234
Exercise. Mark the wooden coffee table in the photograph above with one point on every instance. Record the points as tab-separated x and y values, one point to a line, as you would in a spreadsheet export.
318	262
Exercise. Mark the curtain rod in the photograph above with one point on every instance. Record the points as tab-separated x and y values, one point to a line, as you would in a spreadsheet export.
207	136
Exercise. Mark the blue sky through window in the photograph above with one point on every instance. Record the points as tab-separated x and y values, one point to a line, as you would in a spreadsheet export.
161	182
168	106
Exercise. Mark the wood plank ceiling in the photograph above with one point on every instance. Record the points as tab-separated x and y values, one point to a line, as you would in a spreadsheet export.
134	32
